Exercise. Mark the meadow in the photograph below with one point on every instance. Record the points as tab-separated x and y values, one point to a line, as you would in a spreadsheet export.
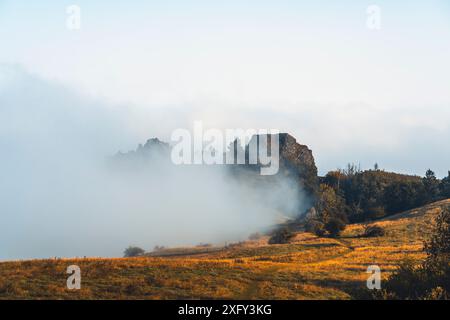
309	267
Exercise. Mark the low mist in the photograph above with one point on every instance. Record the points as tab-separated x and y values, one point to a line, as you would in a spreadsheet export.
61	195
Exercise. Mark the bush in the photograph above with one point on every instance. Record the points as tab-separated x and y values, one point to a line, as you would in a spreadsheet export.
133	252
204	245
281	236
255	236
407	282
315	227
331	212
438	246
334	227
158	248
319	230
373	231
431	278
418	282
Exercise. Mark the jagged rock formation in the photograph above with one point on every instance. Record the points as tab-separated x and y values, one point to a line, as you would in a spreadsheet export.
296	162
153	149
299	160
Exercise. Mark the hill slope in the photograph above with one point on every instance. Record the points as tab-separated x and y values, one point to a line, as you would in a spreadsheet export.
308	268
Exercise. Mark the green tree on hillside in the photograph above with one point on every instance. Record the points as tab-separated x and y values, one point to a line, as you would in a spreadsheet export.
331	211
430	279
431	185
444	187
133	252
403	195
281	236
438	247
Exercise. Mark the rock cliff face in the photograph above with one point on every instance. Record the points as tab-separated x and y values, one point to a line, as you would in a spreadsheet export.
296	162
299	160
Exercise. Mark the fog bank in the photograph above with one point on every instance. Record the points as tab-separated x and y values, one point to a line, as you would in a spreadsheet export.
60	195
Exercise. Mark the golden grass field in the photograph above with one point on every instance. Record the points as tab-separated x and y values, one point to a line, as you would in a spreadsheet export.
308	268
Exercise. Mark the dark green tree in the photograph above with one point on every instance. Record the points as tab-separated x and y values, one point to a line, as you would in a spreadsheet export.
133	252
335	226
331	211
430	279
431	185
444	187
438	247
281	236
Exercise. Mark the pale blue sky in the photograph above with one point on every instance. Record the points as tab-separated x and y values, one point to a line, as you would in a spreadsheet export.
270	57
256	50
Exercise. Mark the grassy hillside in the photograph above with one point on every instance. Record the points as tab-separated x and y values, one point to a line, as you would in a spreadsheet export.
308	268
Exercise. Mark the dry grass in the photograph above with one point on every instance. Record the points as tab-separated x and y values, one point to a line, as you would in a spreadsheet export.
308	268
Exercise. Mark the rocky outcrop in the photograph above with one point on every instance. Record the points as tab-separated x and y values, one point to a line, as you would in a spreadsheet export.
152	148
296	162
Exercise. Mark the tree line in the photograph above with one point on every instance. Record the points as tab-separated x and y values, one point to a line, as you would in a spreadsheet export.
353	196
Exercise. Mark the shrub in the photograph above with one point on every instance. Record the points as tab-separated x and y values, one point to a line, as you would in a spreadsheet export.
158	248
431	278
438	246
315	227
334	227
406	282
281	236
133	252
255	236
204	245
373	231
331	212
319	230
